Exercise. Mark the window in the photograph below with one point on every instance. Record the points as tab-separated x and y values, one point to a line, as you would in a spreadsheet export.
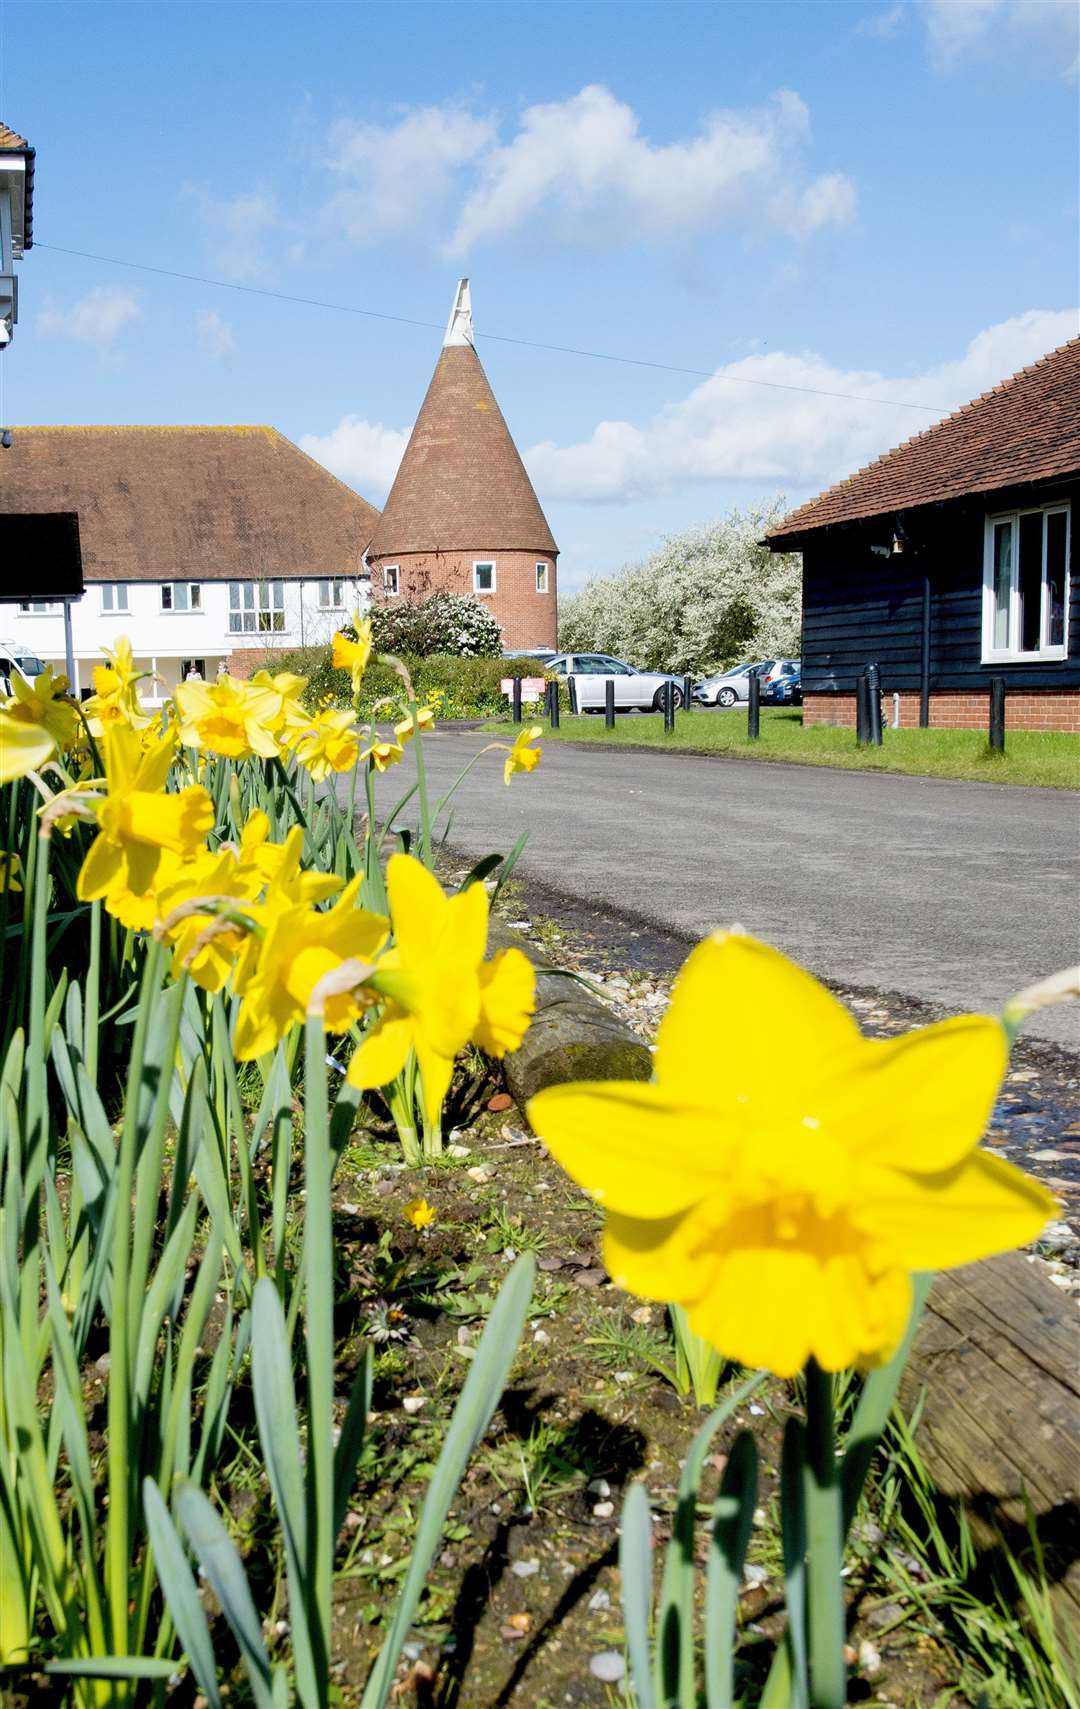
332	594
1025	584
390	580
114	596
181	596
193	668
256	608
541	578
483	578
41	607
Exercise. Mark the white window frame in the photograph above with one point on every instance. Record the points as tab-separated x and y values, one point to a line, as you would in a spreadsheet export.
192	608
117	599
41	608
542	573
1012	654
484	564
267	601
331	583
391	590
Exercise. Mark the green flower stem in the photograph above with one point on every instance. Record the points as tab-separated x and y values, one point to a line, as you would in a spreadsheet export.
319	1319
825	1544
421	786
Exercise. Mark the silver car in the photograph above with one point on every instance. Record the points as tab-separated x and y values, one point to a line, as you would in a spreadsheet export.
731	687
633	689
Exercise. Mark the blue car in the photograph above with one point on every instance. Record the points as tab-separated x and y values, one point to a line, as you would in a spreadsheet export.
784	689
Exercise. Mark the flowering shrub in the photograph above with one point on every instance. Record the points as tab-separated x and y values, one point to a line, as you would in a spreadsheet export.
451	623
454	687
707	598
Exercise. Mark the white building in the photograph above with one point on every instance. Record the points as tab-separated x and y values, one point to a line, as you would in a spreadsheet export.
16	221
203	545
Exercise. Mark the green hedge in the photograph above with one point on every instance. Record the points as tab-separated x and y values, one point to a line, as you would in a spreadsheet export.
455	687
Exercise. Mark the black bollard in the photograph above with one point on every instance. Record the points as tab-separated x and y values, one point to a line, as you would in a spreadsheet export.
516	699
669	705
687	693
753	709
554	708
873	696
571	689
997	714
862	709
609	703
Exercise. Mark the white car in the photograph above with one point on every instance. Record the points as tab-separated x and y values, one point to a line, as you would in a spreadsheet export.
730	687
15	661
591	673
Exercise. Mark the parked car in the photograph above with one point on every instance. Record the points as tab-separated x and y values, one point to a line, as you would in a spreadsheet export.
543	655
633	688
729	687
15	661
785	687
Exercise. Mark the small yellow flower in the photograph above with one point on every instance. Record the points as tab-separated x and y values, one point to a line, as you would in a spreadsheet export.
229	717
353	656
781	1176
419	1213
139	824
114	700
326	744
522	757
10	868
34	723
384	754
425	720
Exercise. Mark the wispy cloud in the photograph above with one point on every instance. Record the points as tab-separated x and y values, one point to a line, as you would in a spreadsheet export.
1042	35
98	317
722	431
238	229
216	337
393	176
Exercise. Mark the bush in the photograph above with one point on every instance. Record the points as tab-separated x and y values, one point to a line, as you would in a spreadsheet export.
706	599
452	686
445	623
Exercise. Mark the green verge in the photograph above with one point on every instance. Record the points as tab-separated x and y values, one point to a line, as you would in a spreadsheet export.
1050	759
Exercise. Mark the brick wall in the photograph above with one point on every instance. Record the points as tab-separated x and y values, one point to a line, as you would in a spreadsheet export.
526	618
1025	709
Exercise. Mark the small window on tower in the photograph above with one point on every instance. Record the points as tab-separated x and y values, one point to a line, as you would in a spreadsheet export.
483	577
541	578
390	580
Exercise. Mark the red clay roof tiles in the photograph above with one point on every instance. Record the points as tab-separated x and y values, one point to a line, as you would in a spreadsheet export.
1025	429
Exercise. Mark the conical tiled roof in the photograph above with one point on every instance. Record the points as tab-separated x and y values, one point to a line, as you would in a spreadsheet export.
462	485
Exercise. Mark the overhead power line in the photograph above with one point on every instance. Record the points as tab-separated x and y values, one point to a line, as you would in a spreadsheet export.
496	337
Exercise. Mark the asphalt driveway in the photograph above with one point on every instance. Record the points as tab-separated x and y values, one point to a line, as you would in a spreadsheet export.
957	893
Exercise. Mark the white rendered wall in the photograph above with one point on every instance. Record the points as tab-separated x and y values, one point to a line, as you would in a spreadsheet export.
162	640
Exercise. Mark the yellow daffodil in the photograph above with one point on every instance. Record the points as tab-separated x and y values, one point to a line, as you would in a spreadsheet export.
34	723
285	688
419	1213
299	948
430	981
203	944
425	720
326	744
522	757
384	754
507	1001
353	655
10	868
229	717
781	1176
114	700
138	822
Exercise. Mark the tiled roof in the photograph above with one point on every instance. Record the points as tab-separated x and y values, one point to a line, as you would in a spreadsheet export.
205	503
1025	429
461	485
10	139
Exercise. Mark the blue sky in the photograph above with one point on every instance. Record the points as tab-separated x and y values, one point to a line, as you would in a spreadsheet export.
877	200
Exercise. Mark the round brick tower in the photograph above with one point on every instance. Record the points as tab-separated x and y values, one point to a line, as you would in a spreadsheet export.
462	516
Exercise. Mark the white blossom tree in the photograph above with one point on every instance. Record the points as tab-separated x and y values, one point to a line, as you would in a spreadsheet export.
708	598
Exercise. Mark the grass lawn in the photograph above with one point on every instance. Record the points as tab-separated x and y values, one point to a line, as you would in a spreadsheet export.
1048	758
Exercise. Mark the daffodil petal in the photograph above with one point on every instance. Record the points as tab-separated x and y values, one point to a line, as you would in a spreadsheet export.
660	1259
980	1206
922	1100
436	1073
417	905
23	747
100	869
718	1030
635	1148
383	1053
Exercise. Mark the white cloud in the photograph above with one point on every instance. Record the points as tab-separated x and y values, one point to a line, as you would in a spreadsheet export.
583	167
364	453
1044	33
237	229
215	335
393	175
97	318
723	431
